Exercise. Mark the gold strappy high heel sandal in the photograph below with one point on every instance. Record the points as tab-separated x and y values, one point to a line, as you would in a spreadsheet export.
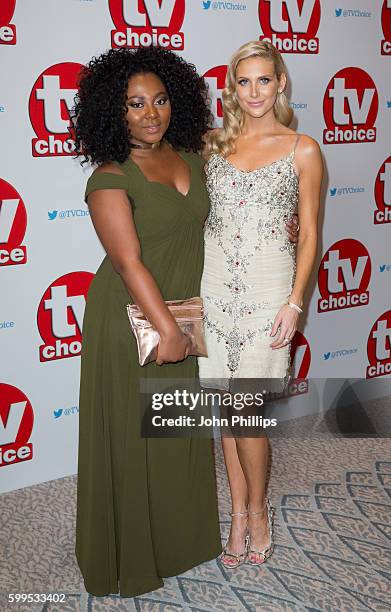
266	552
239	558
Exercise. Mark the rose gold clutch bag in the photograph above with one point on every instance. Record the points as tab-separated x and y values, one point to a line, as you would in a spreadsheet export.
189	315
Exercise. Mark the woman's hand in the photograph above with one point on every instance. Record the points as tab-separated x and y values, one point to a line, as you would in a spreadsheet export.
292	228
286	321
173	347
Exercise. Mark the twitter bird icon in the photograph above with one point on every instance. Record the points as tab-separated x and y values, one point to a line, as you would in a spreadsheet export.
338	12
333	191
206	5
52	215
57	413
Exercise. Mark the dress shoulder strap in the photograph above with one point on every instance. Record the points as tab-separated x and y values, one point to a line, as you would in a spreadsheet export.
296	142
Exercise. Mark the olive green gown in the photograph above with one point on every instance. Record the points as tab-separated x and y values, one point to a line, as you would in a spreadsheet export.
146	507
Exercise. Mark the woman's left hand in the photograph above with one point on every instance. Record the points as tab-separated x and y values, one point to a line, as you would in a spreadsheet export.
292	228
286	323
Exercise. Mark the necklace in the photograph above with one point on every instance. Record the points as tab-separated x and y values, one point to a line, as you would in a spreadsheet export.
135	145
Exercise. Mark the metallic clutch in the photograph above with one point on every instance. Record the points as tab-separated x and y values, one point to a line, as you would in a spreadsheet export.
189	315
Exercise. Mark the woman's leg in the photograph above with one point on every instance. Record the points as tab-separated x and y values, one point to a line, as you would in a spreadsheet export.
246	460
239	498
253	455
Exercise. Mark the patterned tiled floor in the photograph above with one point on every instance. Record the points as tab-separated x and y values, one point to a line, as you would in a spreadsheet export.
333	541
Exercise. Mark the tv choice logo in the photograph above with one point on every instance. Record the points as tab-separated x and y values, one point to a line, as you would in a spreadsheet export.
383	193
291	25
379	347
51	99
300	356
386	26
16	425
60	316
13	223
350	107
344	276
141	23
215	77
7	29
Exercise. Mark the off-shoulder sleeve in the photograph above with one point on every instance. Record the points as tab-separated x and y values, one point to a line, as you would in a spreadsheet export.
105	180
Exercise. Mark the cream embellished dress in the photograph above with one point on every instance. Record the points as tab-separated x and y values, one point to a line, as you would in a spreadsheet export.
249	271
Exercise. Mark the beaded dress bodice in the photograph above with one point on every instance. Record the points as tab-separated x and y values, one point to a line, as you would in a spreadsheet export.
249	265
259	200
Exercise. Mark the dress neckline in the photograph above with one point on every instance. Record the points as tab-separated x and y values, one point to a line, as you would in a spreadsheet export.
277	161
179	193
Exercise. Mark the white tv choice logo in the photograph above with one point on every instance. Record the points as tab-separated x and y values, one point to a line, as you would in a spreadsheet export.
300	356
13	223
383	193
60	316
386	26
7	29
215	78
379	347
141	23
51	100
344	276
291	25
350	107
16	425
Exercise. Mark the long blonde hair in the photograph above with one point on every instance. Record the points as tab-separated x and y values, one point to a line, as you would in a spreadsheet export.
222	141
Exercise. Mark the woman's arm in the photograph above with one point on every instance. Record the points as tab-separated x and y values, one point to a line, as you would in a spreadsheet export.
113	221
310	168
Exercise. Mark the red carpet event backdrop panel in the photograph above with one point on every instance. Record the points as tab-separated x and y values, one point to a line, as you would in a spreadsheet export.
338	53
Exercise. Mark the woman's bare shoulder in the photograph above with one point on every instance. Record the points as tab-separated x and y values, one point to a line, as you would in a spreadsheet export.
307	146
109	167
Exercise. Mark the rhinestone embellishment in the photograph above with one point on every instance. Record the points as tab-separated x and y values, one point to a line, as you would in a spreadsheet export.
247	218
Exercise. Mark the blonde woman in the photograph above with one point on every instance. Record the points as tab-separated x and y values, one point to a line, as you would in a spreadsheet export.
259	172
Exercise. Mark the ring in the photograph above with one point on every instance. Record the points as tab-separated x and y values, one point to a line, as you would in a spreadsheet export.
286	340
298	227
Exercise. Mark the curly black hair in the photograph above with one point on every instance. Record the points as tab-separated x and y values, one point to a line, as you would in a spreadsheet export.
99	115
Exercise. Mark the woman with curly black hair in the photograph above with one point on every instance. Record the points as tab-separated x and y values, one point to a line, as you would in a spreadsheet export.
146	507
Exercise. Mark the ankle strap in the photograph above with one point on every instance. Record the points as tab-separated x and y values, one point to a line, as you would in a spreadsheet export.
259	511
245	513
